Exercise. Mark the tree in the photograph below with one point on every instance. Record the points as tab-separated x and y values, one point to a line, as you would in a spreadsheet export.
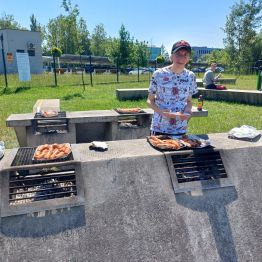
164	53
120	50
34	26
98	41
240	31
141	53
125	46
68	32
8	22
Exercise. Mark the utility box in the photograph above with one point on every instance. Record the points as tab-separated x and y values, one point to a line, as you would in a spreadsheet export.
21	41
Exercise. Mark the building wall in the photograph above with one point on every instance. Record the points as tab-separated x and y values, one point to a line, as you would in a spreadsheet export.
154	52
202	50
23	41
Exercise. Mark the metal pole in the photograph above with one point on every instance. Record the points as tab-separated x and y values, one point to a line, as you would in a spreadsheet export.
54	69
117	67
138	70
90	71
3	55
82	69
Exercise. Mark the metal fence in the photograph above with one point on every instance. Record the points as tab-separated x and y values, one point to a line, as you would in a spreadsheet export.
73	70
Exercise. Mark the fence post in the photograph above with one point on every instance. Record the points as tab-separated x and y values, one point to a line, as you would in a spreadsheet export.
82	71
90	71
54	69
138	70
3	55
117	72
259	81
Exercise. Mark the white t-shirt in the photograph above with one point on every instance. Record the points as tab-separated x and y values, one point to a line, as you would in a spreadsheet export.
172	91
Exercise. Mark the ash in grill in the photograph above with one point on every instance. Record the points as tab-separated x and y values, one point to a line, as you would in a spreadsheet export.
196	170
134	121
195	167
27	186
31	187
46	125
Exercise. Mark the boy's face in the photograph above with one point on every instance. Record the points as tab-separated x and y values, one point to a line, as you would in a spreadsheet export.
181	57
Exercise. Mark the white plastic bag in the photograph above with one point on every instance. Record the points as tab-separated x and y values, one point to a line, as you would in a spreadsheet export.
244	132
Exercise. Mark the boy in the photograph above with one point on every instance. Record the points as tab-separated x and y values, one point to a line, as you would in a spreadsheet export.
170	93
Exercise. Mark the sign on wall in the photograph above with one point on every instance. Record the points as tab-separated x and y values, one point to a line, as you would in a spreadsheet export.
10	57
23	66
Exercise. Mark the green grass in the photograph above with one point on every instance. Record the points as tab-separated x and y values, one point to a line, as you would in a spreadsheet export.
47	79
20	99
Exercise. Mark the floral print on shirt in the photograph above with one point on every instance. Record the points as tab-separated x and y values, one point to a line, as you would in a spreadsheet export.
172	91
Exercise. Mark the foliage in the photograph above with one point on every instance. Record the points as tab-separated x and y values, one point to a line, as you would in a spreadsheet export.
35	26
98	41
120	49
140	53
160	59
68	32
164	53
240	31
218	56
8	22
57	52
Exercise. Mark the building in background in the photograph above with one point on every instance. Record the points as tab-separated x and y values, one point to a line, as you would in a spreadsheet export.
201	51
154	52
21	41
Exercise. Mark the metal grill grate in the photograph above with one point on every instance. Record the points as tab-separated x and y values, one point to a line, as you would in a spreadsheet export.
44	184
59	115
24	156
45	125
196	167
197	170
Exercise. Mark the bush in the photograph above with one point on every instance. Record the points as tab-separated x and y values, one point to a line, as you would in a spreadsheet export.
160	59
57	52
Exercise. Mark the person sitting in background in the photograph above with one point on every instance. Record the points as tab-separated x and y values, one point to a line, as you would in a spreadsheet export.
210	79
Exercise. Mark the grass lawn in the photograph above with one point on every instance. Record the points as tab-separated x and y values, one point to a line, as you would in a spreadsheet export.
222	115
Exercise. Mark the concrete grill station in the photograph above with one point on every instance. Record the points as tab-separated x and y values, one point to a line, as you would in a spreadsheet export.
129	204
81	126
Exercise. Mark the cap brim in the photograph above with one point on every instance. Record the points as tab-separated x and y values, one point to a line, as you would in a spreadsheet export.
188	48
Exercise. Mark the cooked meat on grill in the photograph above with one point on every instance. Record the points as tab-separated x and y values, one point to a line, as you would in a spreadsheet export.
129	110
52	151
190	142
49	113
164	143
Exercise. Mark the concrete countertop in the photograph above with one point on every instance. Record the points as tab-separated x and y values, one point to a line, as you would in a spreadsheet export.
135	148
15	120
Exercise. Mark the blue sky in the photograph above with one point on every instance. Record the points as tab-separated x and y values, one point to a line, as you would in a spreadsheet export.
158	22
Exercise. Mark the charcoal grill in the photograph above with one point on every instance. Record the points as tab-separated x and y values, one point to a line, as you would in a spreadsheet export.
48	125
28	187
136	120
197	169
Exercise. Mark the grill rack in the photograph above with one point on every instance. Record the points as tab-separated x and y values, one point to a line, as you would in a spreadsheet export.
49	125
29	187
43	185
24	157
198	169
